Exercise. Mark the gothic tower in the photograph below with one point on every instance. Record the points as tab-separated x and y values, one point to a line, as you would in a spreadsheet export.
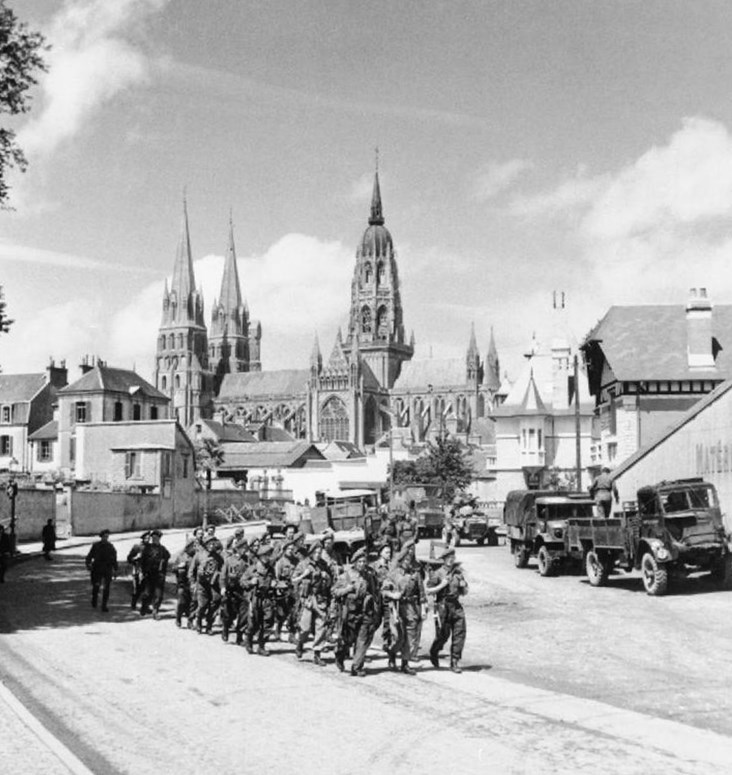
376	307
181	365
228	343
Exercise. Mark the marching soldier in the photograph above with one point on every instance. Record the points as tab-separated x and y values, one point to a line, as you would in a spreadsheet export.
153	565
448	585
183	584
259	581
408	527
234	603
358	594
133	560
101	562
315	580
206	570
404	588
234	539
285	599
381	567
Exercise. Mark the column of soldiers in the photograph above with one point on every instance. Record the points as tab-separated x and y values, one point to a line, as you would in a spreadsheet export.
257	589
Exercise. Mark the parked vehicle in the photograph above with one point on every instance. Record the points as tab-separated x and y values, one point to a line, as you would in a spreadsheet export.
674	528
350	513
466	522
536	524
429	503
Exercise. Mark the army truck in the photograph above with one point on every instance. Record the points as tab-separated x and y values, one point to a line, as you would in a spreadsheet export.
674	528
428	503
536	524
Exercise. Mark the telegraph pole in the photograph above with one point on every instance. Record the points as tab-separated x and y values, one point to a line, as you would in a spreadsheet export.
577	426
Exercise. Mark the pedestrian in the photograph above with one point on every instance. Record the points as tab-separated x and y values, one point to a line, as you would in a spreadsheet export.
101	562
133	561
234	602
206	570
198	535
404	588
603	490
315	582
234	538
154	566
357	592
448	585
183	585
259	581
6	552
48	536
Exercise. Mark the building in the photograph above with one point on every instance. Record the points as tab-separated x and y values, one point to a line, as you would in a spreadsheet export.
647	365
697	444
26	406
367	384
102	395
538	424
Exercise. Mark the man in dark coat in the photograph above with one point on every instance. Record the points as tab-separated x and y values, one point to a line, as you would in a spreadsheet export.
206	570
101	562
133	560
154	565
183	585
448	585
259	580
48	536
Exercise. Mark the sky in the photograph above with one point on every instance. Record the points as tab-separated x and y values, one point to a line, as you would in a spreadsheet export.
525	147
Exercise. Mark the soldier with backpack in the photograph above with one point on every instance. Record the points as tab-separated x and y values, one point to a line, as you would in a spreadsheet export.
206	570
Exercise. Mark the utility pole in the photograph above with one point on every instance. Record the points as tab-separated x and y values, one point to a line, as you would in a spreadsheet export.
577	426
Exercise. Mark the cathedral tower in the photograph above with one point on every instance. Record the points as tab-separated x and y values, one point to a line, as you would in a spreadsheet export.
376	308
181	365
229	334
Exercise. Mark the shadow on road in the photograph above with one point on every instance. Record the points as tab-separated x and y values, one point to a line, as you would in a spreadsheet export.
57	594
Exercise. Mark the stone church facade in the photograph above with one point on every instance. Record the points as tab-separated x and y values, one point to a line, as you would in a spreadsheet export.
369	382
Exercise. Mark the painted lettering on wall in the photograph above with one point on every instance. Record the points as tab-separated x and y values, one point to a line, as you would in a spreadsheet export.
715	458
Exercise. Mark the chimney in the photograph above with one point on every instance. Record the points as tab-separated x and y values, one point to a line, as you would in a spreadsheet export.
57	375
699	330
86	365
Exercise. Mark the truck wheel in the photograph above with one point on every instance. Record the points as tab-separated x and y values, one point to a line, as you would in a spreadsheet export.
655	576
597	571
544	560
480	541
492	539
520	556
721	572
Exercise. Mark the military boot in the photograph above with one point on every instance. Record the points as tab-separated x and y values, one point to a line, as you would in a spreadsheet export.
434	657
248	645
339	661
299	650
455	666
318	660
406	669
263	651
225	635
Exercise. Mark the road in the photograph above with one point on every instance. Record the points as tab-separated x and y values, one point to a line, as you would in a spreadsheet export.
559	677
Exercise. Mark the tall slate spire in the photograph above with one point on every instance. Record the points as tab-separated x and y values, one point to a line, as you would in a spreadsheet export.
493	367
184	283
230	295
377	215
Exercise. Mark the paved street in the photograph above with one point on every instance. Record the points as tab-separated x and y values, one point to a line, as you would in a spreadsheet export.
559	677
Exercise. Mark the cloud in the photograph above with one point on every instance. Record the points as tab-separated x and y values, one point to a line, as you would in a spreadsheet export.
90	62
498	176
13	252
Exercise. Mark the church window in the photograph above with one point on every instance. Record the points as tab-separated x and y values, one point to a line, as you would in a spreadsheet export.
334	423
162	342
177	380
380	272
180	341
117	411
368	273
163	382
366	320
382	323
171	342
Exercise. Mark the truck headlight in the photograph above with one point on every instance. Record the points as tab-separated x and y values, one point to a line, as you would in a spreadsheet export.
662	553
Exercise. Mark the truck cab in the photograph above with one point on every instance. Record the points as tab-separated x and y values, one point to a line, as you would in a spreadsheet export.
536	524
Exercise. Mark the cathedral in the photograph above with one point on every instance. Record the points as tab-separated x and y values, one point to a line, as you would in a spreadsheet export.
369	384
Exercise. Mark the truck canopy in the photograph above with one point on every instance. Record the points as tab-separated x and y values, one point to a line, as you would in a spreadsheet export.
519	507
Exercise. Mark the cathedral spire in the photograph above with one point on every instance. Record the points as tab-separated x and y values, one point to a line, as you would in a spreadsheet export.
184	282
493	370
473	345
377	215
230	295
316	358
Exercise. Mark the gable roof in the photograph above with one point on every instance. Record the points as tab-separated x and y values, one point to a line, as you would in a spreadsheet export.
438	372
268	454
249	384
650	342
108	379
228	432
20	387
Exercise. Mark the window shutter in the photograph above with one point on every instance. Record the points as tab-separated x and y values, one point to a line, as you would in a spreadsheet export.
72	413
87	411
128	473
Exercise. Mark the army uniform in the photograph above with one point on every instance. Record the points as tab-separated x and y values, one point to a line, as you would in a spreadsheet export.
285	597
101	562
206	571
153	565
315	582
407	529
448	585
381	568
358	594
404	587
390	532
181	568
259	581
234	601
133	560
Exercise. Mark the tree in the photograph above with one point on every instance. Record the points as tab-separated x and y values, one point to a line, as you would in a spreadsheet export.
5	322
20	61
209	456
445	462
